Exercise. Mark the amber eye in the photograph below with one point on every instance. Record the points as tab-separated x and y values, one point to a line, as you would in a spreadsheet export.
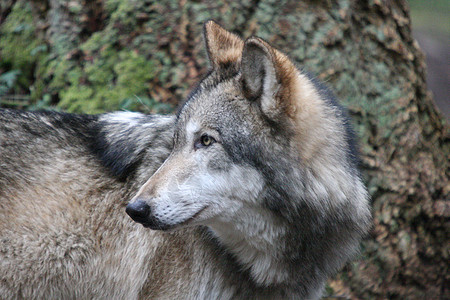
206	140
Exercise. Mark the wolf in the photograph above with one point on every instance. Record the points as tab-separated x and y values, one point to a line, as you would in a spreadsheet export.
251	191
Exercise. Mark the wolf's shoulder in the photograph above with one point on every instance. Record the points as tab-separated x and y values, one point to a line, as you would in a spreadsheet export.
124	140
119	140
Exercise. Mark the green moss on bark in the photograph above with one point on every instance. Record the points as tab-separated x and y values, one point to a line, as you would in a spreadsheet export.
105	81
21	49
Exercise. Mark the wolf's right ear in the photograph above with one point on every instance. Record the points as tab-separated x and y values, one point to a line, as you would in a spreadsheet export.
268	76
224	48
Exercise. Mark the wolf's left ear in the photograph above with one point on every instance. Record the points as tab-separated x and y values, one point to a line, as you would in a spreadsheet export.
224	48
267	76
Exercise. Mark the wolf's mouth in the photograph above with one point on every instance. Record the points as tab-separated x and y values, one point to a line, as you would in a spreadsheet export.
156	224
194	216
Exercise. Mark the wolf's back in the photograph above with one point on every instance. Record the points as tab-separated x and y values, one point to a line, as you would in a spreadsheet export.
64	179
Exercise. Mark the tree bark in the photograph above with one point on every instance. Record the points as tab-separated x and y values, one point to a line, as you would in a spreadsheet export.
363	50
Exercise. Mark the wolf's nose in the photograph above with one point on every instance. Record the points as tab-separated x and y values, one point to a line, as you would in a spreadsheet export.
138	211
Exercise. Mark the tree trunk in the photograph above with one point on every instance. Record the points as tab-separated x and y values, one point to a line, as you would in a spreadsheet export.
102	52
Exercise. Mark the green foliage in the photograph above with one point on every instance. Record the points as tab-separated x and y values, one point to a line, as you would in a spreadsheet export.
22	53
124	12
103	82
133	71
110	74
104	72
17	40
8	80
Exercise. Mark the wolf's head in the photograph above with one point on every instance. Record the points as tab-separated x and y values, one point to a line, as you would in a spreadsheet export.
255	140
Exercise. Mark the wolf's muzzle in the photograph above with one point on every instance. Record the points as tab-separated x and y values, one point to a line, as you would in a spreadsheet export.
138	211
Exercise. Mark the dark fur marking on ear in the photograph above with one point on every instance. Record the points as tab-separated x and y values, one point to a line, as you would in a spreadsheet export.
247	92
227	65
223	47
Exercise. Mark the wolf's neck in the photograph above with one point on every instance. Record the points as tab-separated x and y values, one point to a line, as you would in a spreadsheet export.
258	245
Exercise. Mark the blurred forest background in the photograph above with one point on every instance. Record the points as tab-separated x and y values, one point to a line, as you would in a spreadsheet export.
93	56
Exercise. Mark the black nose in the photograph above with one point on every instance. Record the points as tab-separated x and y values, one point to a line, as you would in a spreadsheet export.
138	211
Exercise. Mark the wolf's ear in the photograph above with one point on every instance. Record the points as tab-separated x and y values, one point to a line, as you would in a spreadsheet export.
224	48
267	76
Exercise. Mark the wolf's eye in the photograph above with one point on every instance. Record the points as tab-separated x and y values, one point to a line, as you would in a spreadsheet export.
206	140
